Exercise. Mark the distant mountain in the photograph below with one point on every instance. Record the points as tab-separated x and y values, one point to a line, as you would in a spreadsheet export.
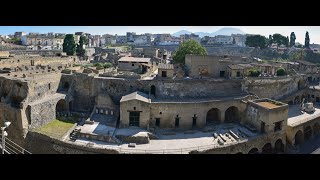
222	31
177	34
228	31
202	34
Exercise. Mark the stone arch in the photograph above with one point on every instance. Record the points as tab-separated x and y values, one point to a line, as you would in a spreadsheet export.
61	105
153	90
254	151
267	149
279	146
307	132
232	114
316	128
298	138
16	100
213	116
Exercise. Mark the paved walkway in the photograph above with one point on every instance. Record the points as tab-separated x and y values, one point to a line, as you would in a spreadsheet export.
297	117
173	142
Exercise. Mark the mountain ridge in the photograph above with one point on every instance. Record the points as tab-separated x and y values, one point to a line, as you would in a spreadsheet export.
222	31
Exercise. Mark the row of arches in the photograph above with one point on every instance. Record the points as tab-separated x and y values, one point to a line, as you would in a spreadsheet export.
231	115
307	133
267	148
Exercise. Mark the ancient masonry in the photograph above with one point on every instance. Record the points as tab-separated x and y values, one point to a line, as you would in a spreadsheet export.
35	90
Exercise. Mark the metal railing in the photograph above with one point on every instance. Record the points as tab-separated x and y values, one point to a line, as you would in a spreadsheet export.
13	148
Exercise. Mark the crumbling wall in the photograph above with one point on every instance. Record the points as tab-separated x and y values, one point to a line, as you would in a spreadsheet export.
274	88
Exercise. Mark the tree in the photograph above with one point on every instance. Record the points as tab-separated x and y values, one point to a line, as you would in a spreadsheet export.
80	47
254	72
292	39
270	40
279	39
256	41
69	46
188	47
281	72
287	41
307	41
106	65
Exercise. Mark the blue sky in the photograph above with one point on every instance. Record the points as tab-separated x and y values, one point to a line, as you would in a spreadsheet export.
314	31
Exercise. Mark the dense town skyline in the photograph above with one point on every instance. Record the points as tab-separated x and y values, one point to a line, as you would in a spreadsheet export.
300	31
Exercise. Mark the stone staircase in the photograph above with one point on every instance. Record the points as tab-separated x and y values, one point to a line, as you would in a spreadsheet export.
75	134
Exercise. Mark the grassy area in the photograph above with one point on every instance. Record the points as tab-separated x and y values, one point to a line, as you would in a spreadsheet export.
57	128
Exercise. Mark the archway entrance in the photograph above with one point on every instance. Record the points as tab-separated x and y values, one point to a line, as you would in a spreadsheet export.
153	90
254	151
61	106
267	149
232	114
316	129
298	138
307	133
279	146
213	116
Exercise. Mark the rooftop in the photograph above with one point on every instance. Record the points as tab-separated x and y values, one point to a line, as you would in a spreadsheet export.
235	66
268	103
136	95
165	66
134	59
297	117
305	62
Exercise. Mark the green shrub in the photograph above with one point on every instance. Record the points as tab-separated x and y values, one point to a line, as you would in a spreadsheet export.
254	73
281	72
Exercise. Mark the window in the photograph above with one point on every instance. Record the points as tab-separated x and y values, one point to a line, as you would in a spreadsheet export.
277	126
194	120
176	124
222	73
164	74
132	64
157	122
134	118
238	74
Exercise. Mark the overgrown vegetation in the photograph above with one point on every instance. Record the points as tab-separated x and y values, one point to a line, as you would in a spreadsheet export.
58	127
254	73
188	47
281	72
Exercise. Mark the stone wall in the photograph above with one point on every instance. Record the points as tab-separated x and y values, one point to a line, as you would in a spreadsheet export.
44	111
38	60
245	146
274	88
168	111
38	143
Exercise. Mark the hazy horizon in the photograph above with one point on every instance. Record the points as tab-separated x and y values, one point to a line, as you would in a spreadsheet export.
314	31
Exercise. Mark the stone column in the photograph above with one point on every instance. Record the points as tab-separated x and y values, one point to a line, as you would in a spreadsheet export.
222	116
